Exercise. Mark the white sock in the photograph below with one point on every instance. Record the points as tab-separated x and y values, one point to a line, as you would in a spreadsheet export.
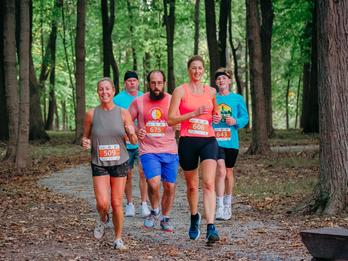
219	201
144	203
228	200
157	211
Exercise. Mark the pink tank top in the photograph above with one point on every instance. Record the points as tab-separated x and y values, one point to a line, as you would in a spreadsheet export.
199	126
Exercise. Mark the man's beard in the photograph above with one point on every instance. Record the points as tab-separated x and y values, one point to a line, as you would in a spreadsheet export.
155	97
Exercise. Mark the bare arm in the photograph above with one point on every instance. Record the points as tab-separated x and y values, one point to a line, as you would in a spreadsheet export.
129	126
87	127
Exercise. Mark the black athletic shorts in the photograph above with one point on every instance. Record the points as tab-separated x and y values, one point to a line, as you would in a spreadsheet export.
192	149
229	155
116	171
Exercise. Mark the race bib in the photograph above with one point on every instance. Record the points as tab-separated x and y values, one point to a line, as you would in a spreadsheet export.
223	134
155	129
198	126
109	152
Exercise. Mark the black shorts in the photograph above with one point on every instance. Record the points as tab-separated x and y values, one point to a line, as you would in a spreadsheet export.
229	155
117	171
191	149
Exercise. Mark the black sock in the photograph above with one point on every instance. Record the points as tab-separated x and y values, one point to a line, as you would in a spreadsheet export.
210	226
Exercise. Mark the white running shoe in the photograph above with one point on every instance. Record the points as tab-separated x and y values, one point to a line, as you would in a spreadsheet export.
227	213
99	229
144	210
219	213
118	244
130	210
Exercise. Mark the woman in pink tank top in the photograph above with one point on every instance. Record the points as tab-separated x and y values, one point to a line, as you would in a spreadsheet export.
197	105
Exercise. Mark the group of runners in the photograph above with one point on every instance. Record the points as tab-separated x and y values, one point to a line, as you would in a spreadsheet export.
208	123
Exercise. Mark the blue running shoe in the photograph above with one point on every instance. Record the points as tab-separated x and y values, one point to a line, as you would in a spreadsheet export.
151	220
166	225
194	231
212	234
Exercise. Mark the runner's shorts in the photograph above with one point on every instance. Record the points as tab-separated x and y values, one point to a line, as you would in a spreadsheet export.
164	165
229	155
116	171
133	157
192	149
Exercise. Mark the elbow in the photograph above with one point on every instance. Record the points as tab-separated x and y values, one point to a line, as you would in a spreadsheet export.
171	121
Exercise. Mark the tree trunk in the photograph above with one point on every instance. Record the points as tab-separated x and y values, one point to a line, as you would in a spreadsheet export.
287	104
332	196
22	150
305	94
169	21
298	99
211	38
235	58
196	19
131	30
225	10
259	142
247	73
108	56
311	122
64	115
266	41
11	77
36	123
3	108
80	68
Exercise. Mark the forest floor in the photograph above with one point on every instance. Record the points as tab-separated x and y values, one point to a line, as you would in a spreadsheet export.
48	212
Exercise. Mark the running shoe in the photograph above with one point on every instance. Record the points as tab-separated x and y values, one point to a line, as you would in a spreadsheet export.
151	220
227	213
212	234
219	213
99	229
144	210
166	225
194	231
118	244
130	210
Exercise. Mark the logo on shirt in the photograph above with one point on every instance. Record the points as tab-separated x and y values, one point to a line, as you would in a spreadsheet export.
156	114
225	111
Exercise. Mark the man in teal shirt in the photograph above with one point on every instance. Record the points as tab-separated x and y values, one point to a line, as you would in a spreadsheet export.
124	99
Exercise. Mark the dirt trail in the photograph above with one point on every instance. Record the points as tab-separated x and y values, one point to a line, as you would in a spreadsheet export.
251	238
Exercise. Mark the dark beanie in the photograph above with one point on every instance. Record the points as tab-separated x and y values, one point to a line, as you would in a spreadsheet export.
219	73
130	74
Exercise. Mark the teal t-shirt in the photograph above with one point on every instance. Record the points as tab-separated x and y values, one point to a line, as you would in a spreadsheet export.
123	99
230	105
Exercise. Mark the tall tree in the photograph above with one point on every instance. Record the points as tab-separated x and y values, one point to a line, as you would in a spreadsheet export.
267	15
23	124
234	54
108	20
3	109
213	47
80	68
259	143
169	21
11	77
196	19
37	127
331	195
131	30
225	10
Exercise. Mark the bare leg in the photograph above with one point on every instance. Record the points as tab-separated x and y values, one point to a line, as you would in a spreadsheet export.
192	183
209	196
154	186
117	188
101	185
220	178
167	197
128	188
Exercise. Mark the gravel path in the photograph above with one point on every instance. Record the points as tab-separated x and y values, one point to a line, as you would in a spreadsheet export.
242	238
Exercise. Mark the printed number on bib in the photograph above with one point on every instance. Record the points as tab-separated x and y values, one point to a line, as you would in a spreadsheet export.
198	126
109	152
155	129
223	134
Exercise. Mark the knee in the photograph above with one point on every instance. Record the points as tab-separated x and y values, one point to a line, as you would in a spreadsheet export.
169	190
116	204
192	189
103	205
209	186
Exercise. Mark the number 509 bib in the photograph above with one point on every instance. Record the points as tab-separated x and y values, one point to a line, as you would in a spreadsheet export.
109	152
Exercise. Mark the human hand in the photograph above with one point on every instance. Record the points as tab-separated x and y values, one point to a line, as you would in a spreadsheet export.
230	121
141	134
217	118
86	143
201	110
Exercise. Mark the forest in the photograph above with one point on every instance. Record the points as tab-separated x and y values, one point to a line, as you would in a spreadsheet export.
289	60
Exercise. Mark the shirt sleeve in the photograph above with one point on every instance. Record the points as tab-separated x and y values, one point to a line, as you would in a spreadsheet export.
242	118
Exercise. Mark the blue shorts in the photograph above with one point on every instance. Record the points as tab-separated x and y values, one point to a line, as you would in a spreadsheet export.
133	157
160	164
